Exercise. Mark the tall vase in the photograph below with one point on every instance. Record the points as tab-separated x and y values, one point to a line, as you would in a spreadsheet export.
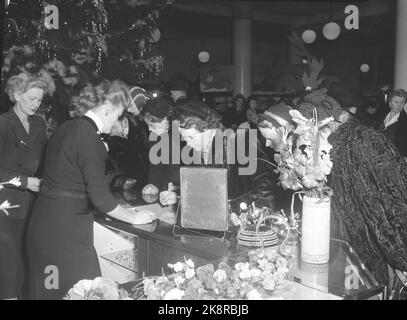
315	230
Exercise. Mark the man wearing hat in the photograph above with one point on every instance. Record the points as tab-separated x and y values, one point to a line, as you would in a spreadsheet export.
368	180
178	89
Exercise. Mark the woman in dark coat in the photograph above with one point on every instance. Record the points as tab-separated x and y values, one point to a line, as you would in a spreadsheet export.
389	125
162	140
369	183
22	140
215	146
60	234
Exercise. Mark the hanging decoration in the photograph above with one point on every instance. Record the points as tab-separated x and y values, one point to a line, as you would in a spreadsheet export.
203	56
364	68
309	36
331	30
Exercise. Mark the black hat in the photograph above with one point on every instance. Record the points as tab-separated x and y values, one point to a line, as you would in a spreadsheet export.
158	107
179	83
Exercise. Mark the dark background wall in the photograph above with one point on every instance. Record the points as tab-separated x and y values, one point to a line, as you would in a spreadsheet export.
185	34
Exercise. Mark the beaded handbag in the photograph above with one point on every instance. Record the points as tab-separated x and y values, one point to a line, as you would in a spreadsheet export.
253	238
253	231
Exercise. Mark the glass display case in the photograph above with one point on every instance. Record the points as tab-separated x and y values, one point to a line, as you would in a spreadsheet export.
156	245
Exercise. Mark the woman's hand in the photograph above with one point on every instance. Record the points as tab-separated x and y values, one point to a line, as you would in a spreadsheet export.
33	184
132	216
168	197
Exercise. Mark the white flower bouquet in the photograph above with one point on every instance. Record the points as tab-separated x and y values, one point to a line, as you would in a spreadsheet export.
97	289
256	279
304	161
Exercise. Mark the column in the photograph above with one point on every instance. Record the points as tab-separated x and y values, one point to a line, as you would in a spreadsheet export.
400	68
242	49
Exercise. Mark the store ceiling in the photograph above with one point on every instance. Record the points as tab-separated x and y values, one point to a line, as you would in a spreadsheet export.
273	19
288	12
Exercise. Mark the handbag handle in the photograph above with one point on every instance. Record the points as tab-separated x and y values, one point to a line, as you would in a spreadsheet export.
282	221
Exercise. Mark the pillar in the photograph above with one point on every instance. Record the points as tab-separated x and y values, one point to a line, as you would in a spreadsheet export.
242	49
400	68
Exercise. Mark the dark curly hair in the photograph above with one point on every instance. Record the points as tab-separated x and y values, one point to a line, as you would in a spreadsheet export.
116	92
198	114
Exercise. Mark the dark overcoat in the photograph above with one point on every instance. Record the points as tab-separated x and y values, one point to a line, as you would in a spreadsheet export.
20	156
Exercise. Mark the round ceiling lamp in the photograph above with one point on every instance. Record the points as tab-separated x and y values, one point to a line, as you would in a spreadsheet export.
364	68
331	30
203	56
309	36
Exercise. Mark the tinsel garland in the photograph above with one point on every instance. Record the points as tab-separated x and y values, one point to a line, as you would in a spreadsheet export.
369	182
83	30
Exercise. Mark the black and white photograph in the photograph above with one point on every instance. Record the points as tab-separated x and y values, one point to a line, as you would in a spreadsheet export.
211	151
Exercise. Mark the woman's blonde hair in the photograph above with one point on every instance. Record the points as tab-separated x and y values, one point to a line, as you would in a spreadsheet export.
23	82
116	92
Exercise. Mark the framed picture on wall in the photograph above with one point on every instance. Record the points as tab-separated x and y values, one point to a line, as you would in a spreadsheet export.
217	79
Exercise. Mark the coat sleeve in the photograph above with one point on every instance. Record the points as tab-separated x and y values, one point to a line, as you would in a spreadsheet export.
7	174
91	159
401	134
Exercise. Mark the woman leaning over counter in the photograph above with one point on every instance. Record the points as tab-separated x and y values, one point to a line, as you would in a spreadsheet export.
60	234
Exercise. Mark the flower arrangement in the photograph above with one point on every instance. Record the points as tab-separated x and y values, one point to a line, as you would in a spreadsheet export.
256	279
304	161
97	289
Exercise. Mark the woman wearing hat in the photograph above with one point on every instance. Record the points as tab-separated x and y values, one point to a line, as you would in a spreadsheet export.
164	142
206	135
178	89
272	124
198	125
369	182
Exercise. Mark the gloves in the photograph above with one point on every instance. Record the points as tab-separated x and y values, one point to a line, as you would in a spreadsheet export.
143	217
150	193
168	197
